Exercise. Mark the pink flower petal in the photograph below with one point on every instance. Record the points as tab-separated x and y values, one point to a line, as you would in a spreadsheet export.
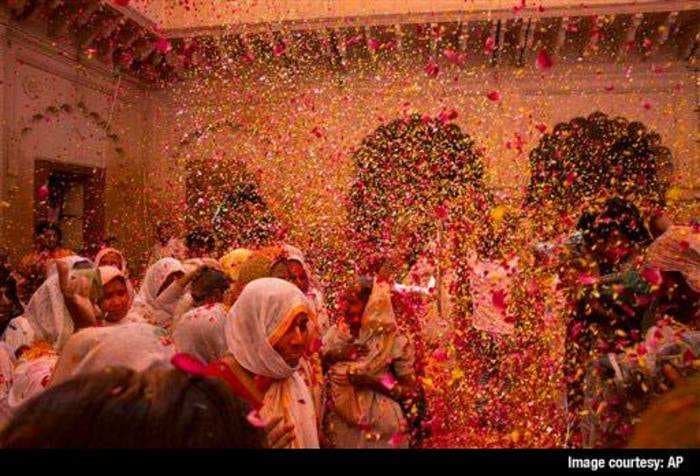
373	44
440	355
42	193
652	275
397	439
279	48
543	61
432	69
163	45
388	381
498	299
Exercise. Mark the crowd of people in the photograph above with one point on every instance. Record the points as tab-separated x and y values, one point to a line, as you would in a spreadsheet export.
242	350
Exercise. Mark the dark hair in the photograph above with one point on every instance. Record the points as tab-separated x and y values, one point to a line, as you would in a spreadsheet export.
208	282
616	214
200	238
121	408
45	225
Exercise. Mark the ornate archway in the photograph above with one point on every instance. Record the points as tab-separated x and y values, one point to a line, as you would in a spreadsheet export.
222	195
410	174
598	157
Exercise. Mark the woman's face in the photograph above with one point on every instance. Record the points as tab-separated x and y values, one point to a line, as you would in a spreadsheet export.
292	344
115	300
292	271
172	277
111	259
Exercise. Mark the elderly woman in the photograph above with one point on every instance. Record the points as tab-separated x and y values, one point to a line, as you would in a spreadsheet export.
619	386
67	301
200	332
288	263
266	334
371	372
162	289
64	304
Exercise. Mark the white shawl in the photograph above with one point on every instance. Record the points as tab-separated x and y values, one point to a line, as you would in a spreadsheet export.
264	307
30	378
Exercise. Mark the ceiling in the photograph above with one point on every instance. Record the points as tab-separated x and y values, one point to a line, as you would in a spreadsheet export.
198	17
161	40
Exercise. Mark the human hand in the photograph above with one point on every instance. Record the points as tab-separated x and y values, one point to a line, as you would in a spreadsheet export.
279	433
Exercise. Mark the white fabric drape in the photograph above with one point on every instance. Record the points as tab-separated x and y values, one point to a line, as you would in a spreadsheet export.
263	308
134	345
148	305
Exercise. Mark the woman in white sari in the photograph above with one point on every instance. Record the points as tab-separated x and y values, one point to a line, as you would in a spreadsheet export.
115	258
266	333
56	308
365	390
117	296
162	288
65	303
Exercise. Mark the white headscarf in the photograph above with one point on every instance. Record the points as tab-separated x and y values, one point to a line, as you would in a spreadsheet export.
104	251
109	274
47	312
71	261
135	345
314	294
154	308
265	308
200	332
18	333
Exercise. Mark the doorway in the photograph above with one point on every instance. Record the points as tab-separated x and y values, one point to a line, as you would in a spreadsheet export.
73	197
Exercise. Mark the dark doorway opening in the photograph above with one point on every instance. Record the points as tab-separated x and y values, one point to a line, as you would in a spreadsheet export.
73	197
